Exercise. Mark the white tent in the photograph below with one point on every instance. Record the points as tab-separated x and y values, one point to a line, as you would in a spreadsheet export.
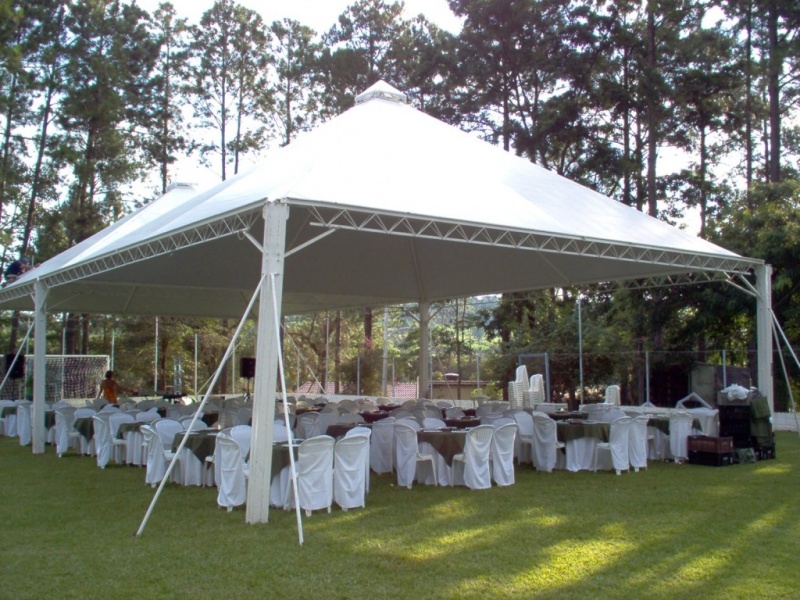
381	205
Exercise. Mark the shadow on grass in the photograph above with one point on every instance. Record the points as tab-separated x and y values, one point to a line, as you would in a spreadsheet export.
670	531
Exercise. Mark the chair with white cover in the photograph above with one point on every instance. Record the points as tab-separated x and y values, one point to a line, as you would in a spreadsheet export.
637	442
244	416
367	433
523	444
119	445
409	462
454	413
326	418
471	467
308	426
102	438
410	421
314	475
432	423
135	449
546	446
232	473
83	445
279	432
351	418
24	424
157	457
707	417
243	434
617	446
351	453
65	418
680	428
8	423
381	447
612	395
502	453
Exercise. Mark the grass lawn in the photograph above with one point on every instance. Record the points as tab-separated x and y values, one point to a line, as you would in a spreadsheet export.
672	531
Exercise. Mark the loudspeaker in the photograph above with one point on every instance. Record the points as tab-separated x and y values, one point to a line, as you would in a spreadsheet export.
247	367
18	372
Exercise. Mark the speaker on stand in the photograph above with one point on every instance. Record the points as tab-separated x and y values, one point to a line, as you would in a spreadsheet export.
247	369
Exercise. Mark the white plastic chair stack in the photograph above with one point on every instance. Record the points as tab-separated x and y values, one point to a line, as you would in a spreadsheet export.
617	446
314	475
680	428
232	473
612	395
535	393
381	446
24	430
471	468
545	442
349	478
502	453
409	462
638	442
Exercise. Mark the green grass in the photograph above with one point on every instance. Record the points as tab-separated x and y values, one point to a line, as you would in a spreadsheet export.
673	531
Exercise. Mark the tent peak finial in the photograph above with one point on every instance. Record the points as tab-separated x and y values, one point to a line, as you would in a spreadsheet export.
383	91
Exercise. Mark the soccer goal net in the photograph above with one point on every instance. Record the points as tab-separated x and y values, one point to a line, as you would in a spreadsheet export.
67	377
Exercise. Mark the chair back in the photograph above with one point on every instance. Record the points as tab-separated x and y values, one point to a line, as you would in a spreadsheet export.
405	439
359	431
167	429
612	395
618	442
24	423
230	469
243	435
680	427
545	442
433	423
65	418
308	425
477	450
315	473
637	441
351	454
148	416
279	432
381	448
102	438
502	453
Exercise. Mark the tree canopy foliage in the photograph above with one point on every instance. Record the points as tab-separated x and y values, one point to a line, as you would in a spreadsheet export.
685	109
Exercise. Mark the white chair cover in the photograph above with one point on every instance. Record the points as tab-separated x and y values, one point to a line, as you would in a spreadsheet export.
102	439
367	433
502	453
407	457
411	422
308	425
327	418
351	453
381	446
471	468
24	430
232	481
119	446
8	424
279	433
523	444
157	458
637	442
617	445
243	434
314	475
433	423
680	427
545	443
65	418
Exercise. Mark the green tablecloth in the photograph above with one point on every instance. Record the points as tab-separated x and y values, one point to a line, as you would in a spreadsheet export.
128	427
201	443
337	430
446	443
568	431
49	419
280	457
85	426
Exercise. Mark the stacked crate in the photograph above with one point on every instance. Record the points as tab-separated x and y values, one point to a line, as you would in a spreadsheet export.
711	451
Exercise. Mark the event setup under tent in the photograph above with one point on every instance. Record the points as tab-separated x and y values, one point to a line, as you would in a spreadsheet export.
380	205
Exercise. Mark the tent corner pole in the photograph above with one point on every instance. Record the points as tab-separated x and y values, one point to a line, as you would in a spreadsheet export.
424	349
764	340
39	366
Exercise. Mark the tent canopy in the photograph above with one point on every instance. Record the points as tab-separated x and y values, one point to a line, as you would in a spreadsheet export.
386	205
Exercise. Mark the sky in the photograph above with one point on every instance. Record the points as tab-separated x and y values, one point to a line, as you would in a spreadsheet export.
317	14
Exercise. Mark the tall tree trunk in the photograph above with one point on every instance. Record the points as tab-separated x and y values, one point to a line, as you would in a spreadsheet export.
773	90
652	117
749	102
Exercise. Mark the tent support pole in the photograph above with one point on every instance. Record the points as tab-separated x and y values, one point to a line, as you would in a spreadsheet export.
763	275
268	338
424	349
39	360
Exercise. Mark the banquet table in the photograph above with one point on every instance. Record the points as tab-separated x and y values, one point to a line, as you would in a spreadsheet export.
462	422
85	426
580	439
338	430
200	442
371	417
447	443
49	419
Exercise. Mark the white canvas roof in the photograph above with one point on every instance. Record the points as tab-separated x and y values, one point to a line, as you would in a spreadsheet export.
387	205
